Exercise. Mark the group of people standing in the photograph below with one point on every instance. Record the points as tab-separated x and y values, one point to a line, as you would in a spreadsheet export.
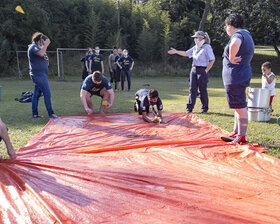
119	62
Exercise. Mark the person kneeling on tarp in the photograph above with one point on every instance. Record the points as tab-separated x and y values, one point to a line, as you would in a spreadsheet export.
4	135
146	98
99	85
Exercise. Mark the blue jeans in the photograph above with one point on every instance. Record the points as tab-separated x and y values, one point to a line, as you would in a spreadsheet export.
41	86
198	80
123	75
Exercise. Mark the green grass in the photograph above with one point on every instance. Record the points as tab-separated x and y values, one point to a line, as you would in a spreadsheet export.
173	92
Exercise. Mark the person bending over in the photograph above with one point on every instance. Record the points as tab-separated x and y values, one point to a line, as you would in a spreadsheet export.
5	136
146	98
99	85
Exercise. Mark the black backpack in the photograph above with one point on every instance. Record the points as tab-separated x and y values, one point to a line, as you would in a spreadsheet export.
26	97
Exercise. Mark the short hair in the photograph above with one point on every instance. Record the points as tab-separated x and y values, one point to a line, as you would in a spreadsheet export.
153	93
267	65
97	76
36	36
235	20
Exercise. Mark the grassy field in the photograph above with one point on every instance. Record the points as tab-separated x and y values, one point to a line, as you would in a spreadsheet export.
173	92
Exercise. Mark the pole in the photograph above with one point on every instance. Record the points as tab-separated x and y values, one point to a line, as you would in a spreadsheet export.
119	21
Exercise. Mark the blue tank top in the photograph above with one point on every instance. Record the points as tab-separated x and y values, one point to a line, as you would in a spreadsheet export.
239	74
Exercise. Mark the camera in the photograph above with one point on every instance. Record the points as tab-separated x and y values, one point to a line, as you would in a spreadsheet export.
43	37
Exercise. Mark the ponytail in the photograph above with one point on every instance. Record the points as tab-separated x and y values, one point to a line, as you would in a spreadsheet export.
207	38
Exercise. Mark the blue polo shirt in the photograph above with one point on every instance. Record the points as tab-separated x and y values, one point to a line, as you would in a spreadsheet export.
202	56
125	62
96	62
239	74
38	65
93	88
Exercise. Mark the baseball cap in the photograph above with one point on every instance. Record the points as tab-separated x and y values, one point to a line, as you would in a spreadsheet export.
199	34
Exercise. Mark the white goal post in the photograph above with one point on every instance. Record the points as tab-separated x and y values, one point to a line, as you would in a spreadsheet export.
59	59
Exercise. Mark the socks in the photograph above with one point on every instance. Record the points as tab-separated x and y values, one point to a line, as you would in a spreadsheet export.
242	126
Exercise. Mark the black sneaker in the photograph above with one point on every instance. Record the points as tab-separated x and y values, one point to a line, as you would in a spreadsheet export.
189	111
37	116
54	116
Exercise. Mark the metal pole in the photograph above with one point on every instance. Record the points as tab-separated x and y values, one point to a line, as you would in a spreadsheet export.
119	15
62	70
19	72
57	58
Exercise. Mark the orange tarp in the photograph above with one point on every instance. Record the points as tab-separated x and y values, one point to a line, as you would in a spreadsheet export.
115	168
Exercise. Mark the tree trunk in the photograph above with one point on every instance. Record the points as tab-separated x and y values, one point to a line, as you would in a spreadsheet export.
277	50
204	16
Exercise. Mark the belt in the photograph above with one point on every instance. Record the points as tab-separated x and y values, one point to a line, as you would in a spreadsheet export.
194	66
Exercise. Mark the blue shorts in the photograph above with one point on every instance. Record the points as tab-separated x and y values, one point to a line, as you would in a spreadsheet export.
236	96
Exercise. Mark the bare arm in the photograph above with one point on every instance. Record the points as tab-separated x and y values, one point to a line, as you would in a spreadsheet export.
233	50
146	118
109	63
85	98
181	53
102	67
111	98
4	135
269	79
132	64
209	65
44	49
90	62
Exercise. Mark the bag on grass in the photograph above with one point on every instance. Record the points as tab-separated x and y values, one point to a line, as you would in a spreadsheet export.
26	97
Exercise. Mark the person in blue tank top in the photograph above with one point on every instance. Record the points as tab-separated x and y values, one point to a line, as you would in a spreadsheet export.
38	65
237	74
203	60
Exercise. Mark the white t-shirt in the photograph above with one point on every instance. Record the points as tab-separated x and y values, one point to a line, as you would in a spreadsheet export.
271	86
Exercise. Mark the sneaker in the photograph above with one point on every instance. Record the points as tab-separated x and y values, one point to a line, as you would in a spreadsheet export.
37	116
230	137
238	140
54	116
204	111
189	111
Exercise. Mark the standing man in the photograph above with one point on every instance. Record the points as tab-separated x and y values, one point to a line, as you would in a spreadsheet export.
4	135
113	68
126	64
97	84
38	65
96	62
203	60
237	74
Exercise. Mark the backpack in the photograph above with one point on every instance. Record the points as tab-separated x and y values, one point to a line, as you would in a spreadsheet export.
26	97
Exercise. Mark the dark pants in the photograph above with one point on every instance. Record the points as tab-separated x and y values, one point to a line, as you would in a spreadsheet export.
41	85
126	74
198	80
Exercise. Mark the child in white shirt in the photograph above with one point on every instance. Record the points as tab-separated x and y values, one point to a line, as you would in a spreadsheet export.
268	81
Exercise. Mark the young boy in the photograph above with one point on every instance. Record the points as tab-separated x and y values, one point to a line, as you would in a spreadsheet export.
268	81
146	98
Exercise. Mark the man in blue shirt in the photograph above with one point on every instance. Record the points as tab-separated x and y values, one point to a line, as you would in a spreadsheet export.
38	65
146	98
97	84
126	64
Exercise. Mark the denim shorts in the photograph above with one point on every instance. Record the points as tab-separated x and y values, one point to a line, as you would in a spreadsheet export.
236	96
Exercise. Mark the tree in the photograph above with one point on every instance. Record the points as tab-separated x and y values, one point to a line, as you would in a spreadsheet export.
205	13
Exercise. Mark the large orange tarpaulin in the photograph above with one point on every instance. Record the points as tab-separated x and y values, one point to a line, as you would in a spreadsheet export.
115	168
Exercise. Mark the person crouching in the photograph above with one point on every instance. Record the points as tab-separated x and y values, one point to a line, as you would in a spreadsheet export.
99	85
146	98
